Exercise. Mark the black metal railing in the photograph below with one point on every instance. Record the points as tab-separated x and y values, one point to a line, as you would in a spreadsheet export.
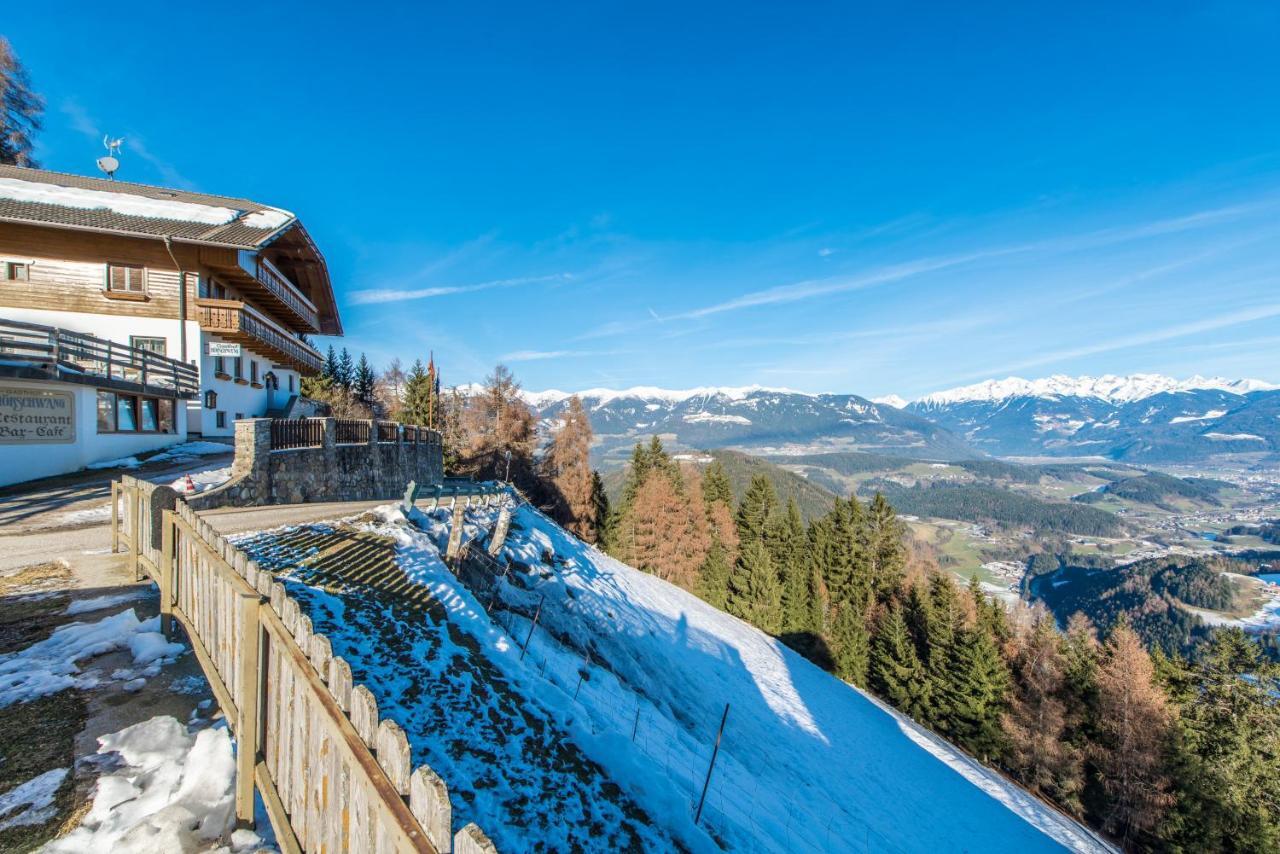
296	433
351	431
79	357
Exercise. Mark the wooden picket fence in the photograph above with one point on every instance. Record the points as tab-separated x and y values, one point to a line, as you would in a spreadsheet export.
332	775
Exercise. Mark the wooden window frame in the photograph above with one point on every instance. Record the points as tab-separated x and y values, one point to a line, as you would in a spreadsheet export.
125	293
11	267
164	343
139	401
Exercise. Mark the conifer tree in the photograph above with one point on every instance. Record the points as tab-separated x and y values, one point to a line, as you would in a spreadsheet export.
886	553
1036	722
567	466
896	672
713	579
851	645
20	110
715	486
417	395
1133	727
330	370
364	383
789	554
600	513
1227	764
345	376
976	694
756	510
755	594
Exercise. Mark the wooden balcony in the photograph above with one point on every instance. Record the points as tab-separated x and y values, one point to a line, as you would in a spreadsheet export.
263	281
236	321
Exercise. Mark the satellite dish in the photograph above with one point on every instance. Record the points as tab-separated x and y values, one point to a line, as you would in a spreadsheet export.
109	164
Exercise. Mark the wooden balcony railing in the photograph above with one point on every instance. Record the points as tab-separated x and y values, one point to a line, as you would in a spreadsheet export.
279	286
236	321
32	348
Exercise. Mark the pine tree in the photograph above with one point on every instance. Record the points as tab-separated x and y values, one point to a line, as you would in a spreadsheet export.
713	579
896	672
20	110
755	594
417	395
599	510
1133	728
886	553
364	383
330	371
715	486
567	465
788	552
1227	763
345	376
756	510
976	694
851	645
1036	722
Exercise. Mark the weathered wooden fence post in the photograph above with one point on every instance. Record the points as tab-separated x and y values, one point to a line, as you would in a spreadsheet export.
115	516
167	526
455	530
247	711
500	531
135	531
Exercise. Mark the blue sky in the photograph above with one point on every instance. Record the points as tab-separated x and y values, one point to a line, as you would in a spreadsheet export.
888	198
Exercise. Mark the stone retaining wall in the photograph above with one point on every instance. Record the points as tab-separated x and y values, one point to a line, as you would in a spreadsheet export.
332	472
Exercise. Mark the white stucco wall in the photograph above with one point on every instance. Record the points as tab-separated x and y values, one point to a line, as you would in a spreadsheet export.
29	460
235	397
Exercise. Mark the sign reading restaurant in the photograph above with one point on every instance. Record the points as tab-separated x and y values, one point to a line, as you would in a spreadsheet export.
34	417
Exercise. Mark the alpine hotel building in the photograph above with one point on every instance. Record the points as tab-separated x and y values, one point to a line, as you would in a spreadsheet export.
134	317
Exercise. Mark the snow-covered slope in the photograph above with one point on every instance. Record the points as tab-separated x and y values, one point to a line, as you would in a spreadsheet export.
642	673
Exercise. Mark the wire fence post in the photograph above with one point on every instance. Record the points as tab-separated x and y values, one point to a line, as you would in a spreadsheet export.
534	625
714	753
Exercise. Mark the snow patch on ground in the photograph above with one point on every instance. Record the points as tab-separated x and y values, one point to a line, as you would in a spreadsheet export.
173	791
203	481
33	800
98	603
715	418
1208	416
53	663
101	513
1234	437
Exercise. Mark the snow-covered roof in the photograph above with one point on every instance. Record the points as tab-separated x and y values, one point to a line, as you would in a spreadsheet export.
41	197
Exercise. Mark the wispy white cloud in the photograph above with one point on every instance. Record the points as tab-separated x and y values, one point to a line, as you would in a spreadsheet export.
544	355
86	125
384	295
1140	339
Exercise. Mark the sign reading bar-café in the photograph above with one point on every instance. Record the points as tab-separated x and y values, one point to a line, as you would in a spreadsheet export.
36	417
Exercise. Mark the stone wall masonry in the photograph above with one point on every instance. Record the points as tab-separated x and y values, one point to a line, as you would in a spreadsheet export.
369	471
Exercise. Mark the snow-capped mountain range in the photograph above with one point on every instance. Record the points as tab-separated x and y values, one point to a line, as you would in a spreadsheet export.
1140	418
1110	388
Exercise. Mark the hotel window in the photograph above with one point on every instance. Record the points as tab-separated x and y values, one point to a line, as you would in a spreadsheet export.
155	345
126	279
253	371
290	382
219	364
239	367
127	413
221	420
15	271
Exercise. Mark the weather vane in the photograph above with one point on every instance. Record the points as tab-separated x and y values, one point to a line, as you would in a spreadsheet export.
111	162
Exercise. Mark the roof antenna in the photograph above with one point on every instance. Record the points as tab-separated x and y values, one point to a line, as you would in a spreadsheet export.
110	163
